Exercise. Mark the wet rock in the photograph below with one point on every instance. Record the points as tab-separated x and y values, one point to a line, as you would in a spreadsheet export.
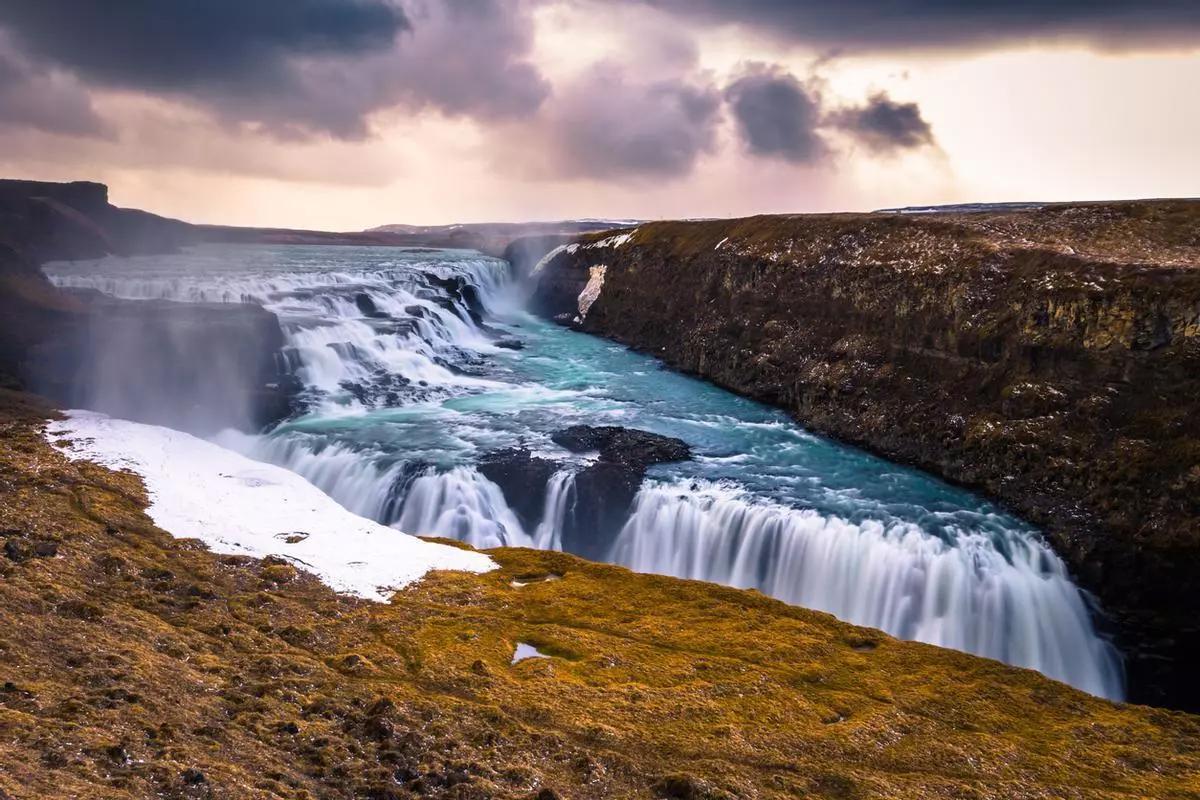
623	445
367	307
511	344
522	477
460	293
604	491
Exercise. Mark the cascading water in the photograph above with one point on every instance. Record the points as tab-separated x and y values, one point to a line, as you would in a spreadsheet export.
560	498
1011	600
407	391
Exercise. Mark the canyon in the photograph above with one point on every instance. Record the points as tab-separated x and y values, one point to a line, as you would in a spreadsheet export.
1044	357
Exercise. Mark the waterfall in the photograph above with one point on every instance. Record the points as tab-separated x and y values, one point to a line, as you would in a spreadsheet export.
560	500
406	389
1017	606
461	504
357	338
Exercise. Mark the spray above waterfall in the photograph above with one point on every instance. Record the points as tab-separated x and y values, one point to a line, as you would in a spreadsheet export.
408	392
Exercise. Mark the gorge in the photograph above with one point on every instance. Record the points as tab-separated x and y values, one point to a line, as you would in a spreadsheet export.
414	387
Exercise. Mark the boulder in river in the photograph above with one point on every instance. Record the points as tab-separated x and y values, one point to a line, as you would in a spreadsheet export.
522	477
604	491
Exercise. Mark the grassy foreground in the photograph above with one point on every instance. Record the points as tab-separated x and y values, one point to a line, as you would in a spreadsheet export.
133	664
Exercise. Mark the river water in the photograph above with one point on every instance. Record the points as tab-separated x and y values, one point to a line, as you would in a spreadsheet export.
410	379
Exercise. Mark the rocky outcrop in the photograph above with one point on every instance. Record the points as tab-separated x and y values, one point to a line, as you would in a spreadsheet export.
605	488
195	367
1048	357
523	478
602	490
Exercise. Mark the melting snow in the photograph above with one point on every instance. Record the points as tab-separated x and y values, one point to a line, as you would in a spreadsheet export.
244	507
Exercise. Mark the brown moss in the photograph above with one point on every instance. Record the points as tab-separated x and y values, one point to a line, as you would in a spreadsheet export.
199	680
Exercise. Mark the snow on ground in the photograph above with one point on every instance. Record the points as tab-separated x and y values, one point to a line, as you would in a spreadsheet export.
244	507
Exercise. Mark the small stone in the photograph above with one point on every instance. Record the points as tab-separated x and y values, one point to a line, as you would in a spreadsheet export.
17	551
45	549
193	776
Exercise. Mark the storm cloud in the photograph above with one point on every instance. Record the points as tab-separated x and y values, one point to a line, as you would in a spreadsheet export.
876	24
609	123
292	67
44	101
776	115
884	125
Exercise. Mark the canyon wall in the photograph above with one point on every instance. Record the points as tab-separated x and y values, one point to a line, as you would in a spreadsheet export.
1049	358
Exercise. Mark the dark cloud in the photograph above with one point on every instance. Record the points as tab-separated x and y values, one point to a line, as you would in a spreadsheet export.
776	116
292	67
608	124
932	23
43	101
189	44
885	125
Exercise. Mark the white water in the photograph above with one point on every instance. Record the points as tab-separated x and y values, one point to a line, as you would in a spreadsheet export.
332	342
764	505
1021	609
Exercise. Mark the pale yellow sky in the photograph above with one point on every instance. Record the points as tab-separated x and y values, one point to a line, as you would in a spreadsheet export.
1035	122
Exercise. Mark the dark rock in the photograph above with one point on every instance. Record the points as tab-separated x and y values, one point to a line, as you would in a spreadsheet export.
193	776
367	307
687	787
45	549
511	344
461	294
623	445
604	490
522	478
18	551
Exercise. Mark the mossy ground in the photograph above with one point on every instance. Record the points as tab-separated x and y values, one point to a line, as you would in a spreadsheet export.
137	665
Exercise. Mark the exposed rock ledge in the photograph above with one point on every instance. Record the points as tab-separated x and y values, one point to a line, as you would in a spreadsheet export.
1050	358
135	665
193	366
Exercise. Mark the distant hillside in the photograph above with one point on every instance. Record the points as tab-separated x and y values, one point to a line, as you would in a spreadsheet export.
494	237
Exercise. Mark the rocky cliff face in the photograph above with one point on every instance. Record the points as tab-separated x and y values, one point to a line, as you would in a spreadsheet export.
1050	358
191	366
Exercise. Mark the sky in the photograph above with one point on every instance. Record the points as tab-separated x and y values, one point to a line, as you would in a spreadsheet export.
346	114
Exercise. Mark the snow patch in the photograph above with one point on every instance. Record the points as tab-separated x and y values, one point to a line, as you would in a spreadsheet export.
721	243
612	241
243	507
591	292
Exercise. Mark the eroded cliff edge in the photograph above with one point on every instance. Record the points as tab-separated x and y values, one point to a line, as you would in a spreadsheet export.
195	366
1047	357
